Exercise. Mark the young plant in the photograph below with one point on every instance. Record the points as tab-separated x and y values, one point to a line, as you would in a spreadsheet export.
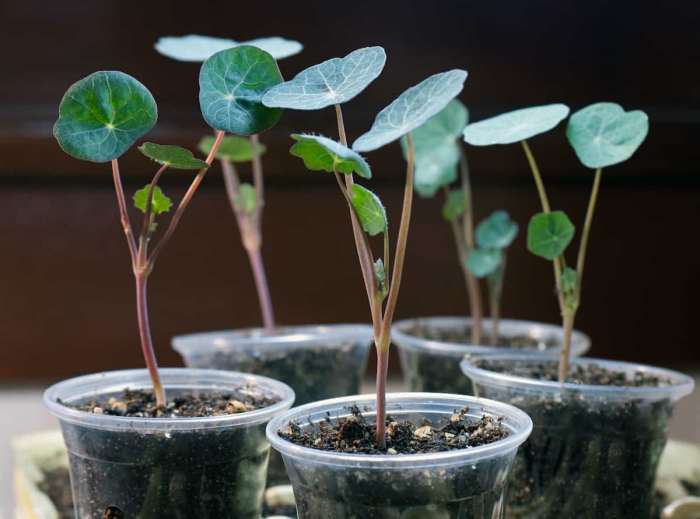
439	156
247	200
332	83
602	135
104	114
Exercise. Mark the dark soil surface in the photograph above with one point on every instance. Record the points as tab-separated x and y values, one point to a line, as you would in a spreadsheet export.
590	374
464	336
355	434
56	485
142	404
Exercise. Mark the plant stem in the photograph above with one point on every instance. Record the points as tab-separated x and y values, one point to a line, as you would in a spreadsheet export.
145	334
495	282
148	213
187	198
261	285
123	212
382	372
468	228
564	354
581	260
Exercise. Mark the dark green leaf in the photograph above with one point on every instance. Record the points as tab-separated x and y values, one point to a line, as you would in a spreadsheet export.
497	231
232	148
515	126
172	156
102	116
369	209
231	85
322	154
246	201
454	205
159	204
548	234
603	134
484	262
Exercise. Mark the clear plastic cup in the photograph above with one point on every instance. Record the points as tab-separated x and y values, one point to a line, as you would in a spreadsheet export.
154	468
459	484
594	450
433	365
318	362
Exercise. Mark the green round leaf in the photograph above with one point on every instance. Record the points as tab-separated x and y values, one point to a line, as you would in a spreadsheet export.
322	154
101	116
332	82
431	175
549	234
497	231
515	126
160	203
484	262
411	109
603	134
231	85
196	48
247	199
454	205
369	209
172	156
232	148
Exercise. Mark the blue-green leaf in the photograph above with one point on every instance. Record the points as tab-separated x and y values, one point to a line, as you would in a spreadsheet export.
172	156
329	83
497	231
232	148
603	134
231	85
323	154
549	234
411	109
369	209
103	115
515	126
484	262
196	48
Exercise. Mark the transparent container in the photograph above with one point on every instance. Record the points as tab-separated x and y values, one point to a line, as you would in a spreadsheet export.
433	365
595	449
460	484
158	468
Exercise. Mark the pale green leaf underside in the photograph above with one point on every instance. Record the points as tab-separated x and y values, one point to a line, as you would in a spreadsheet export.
101	116
322	154
411	109
197	48
603	134
435	172
454	205
172	156
515	126
329	83
159	204
369	209
231	85
484	262
246	200
232	148
497	231
549	234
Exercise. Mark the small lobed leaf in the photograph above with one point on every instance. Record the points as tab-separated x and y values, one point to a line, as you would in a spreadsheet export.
231	85
172	156
548	234
159	204
102	115
246	201
603	134
332	82
515	126
197	48
322	154
569	278
369	210
454	206
380	276
232	148
484	262
411	109
497	231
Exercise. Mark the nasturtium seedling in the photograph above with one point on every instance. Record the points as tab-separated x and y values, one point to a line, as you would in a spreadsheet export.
231	85
369	209
549	234
160	203
323	154
103	115
233	148
515	126
603	134
197	48
332	82
172	156
411	109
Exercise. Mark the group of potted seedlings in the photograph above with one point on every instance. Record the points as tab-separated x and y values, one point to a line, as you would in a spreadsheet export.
194	442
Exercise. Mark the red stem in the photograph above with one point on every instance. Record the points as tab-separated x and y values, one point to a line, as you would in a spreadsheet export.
146	339
382	372
256	263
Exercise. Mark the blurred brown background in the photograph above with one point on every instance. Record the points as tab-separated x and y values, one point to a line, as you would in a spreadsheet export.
66	294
